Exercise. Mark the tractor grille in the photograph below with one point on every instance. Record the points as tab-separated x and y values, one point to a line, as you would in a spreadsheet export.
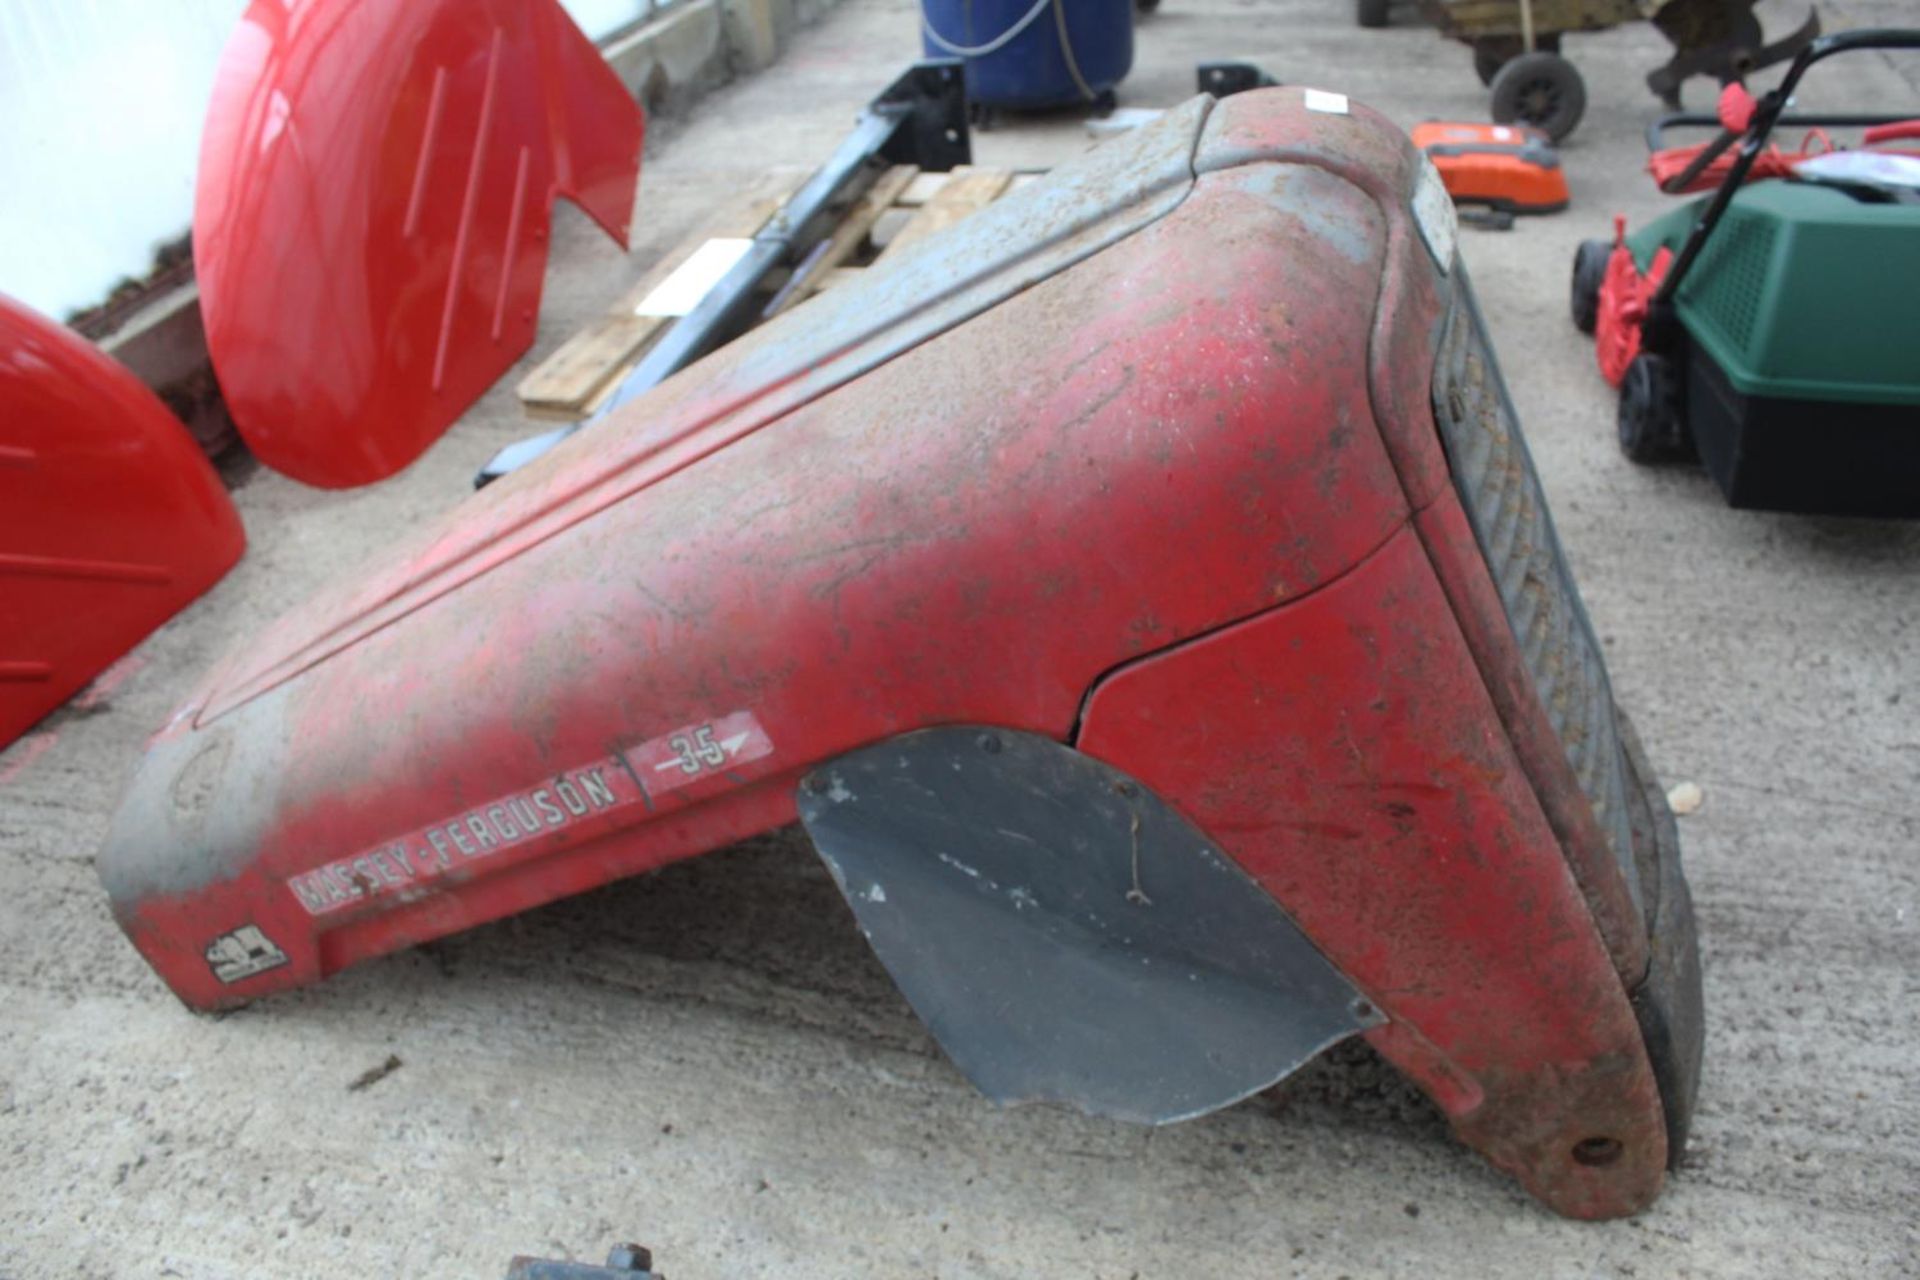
1495	477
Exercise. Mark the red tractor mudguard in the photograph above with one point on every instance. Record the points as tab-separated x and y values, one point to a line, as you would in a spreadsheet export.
111	520
1140	591
370	223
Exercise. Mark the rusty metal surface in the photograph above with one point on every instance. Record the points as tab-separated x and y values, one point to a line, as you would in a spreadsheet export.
884	556
1344	750
1513	529
780	367
1670	1002
1362	148
1196	425
624	1262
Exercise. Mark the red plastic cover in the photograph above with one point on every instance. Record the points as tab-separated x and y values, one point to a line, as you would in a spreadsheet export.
1668	166
1624	294
1735	108
370	227
1896	132
1510	167
110	518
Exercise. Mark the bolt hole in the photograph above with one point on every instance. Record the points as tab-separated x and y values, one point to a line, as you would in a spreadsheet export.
989	744
816	784
1126	789
1597	1153
1363	1008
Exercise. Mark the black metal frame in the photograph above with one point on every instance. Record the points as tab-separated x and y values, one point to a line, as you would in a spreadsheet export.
920	119
624	1262
1078	977
1224	79
1661	331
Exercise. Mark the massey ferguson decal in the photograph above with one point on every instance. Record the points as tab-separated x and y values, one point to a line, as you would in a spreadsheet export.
656	766
243	953
427	854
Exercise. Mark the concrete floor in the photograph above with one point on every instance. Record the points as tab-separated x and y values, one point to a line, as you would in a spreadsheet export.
709	1060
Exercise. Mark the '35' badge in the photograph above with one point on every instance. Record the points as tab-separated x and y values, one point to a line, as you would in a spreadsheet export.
699	751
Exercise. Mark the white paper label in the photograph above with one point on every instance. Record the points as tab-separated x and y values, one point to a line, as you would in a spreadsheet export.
691	281
1333	104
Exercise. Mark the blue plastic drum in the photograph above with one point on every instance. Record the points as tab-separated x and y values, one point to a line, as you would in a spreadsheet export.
1015	53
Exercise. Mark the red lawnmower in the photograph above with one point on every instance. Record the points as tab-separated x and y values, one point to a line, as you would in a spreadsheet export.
1770	328
1142	594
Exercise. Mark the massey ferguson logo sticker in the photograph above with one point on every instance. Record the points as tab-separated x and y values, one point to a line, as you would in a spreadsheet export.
431	852
658	765
243	953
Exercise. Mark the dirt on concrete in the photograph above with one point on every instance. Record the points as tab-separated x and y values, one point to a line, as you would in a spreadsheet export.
710	1061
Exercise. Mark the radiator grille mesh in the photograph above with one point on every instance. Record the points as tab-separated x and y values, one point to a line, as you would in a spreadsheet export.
1508	511
1726	285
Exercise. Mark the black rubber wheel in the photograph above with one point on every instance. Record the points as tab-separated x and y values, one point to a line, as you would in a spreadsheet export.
1487	62
1589	269
1371	13
1650	414
1494	52
1541	89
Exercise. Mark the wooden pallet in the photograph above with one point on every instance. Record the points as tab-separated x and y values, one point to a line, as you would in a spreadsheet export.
902	206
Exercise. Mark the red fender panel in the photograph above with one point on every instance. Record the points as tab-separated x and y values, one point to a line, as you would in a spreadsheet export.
370	226
894	551
110	518
1141	458
1345	751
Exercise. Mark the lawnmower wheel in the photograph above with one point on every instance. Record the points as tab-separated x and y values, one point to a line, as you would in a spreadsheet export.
1490	53
1650	424
1371	13
1541	89
1589	269
1487	63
